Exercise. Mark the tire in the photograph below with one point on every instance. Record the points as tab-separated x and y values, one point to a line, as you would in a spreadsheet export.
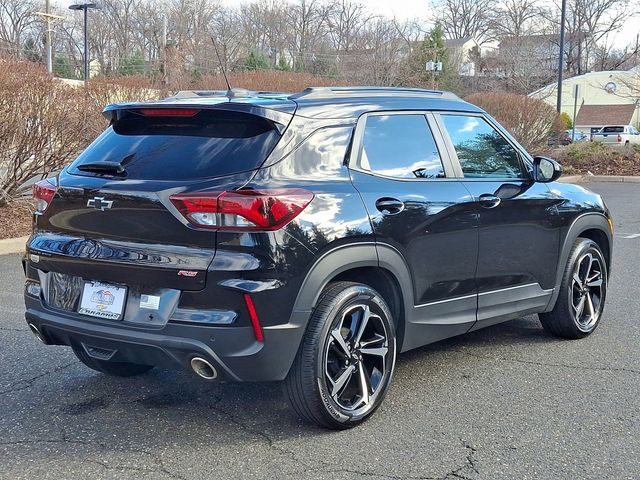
325	383
116	369
580	303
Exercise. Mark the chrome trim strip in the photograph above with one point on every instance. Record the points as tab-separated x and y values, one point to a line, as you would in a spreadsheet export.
534	284
483	293
446	300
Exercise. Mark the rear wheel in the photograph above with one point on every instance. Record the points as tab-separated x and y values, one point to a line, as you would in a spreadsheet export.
118	369
345	363
582	293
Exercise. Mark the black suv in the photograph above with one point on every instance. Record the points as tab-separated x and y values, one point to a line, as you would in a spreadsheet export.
252	236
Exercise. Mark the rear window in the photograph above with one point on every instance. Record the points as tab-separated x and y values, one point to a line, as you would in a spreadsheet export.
210	143
612	130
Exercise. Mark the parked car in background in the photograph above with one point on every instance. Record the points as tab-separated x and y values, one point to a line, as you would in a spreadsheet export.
308	238
576	136
617	135
566	137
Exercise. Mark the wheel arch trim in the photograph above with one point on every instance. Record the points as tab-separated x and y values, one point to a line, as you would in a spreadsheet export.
582	223
351	256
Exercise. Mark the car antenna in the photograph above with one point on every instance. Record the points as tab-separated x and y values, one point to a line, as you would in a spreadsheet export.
224	73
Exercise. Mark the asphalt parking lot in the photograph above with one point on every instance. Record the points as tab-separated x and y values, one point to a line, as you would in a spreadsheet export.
507	402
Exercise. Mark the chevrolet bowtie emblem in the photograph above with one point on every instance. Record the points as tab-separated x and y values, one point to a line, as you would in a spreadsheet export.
99	203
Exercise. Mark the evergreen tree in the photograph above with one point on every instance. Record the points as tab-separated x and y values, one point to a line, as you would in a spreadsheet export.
132	64
433	48
256	61
63	68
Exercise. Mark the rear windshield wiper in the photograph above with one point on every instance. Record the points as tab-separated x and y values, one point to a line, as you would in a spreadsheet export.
102	167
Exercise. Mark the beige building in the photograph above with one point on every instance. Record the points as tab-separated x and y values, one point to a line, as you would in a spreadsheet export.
604	98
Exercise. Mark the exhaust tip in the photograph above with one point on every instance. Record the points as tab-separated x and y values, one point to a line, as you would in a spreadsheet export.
203	368
37	333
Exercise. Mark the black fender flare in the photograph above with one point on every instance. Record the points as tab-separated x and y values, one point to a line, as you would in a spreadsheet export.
586	221
349	256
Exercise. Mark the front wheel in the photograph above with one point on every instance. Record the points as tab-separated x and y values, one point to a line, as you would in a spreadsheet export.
345	363
582	293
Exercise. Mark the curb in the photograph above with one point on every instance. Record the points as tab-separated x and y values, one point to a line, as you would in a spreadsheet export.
13	245
600	178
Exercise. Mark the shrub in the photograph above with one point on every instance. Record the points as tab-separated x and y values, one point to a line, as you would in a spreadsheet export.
274	80
47	122
41	128
598	159
529	120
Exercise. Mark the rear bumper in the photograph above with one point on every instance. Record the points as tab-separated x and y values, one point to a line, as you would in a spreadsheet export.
232	350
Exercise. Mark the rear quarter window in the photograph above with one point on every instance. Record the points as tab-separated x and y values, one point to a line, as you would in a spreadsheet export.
209	144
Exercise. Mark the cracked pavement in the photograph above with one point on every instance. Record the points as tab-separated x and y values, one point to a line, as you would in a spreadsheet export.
502	403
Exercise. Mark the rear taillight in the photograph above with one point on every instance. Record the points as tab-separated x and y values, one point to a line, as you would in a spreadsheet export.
619	138
252	210
43	193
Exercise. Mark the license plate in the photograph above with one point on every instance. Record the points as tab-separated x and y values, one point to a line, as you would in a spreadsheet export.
102	300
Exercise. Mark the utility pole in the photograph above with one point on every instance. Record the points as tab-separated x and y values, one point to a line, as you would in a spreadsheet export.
47	10
563	17
164	50
49	17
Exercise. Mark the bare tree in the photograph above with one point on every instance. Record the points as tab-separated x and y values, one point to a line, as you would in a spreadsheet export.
465	18
346	20
16	18
307	24
589	22
515	18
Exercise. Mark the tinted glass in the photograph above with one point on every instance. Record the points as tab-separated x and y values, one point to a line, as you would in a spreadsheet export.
211	143
482	151
400	146
612	130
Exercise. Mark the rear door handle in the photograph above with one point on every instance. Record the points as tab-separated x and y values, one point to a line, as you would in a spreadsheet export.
389	206
488	200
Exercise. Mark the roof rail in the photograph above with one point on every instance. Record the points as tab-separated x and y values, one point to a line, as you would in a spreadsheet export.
323	92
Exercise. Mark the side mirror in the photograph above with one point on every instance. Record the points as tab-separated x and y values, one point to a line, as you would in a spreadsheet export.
546	170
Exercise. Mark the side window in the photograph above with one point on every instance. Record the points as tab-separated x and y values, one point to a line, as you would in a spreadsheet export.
400	146
482	151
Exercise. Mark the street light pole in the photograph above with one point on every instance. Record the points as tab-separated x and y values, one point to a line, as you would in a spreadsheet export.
85	11
563	16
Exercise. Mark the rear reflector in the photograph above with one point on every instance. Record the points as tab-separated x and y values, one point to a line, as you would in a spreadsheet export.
243	210
169	112
253	315
43	193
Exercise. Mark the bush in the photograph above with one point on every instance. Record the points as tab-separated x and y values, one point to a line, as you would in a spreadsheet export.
529	120
41	128
269	80
47	122
598	159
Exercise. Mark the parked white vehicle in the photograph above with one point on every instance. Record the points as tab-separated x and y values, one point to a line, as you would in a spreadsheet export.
615	135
